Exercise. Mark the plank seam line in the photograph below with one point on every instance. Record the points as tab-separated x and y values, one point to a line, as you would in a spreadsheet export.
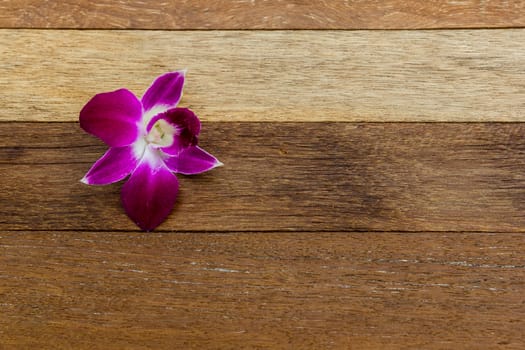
364	231
429	122
298	29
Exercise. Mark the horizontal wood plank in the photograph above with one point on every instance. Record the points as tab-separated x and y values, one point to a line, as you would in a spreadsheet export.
285	176
268	14
467	75
261	290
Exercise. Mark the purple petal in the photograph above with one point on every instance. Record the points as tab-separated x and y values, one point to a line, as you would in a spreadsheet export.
191	161
113	117
149	194
113	166
186	123
165	92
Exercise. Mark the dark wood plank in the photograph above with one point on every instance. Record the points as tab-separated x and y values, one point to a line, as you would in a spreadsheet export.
285	176
261	290
272	14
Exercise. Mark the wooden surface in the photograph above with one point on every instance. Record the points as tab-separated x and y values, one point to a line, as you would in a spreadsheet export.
468	75
261	290
263	14
286	176
342	219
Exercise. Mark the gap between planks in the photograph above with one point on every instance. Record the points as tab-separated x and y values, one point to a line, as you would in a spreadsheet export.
274	76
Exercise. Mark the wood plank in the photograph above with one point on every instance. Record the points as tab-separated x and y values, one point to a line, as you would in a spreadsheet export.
285	176
261	290
268	14
470	75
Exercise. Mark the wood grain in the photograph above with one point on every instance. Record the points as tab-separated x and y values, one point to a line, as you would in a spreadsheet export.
285	176
86	290
268	14
468	75
324	229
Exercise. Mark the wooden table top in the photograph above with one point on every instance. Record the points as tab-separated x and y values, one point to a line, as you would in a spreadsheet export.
373	193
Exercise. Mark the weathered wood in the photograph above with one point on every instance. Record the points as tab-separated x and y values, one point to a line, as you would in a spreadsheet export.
268	14
470	75
285	176
261	290
224	271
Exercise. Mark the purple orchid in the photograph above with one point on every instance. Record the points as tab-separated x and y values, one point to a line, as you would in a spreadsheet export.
150	139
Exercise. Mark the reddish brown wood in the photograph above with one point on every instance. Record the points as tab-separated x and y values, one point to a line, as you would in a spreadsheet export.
261	290
270	14
285	176
74	275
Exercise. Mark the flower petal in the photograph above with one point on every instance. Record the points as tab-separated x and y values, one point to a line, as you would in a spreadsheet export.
150	193
113	166
191	161
165	92
186	124
113	117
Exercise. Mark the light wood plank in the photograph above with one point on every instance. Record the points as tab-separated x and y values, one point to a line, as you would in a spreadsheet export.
268	14
261	290
273	75
285	176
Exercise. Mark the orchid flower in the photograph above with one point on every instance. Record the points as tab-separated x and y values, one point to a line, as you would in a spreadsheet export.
149	139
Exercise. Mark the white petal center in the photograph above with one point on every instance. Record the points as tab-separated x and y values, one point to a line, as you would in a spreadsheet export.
161	134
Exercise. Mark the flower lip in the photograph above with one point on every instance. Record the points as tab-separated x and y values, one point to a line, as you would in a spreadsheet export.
182	123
